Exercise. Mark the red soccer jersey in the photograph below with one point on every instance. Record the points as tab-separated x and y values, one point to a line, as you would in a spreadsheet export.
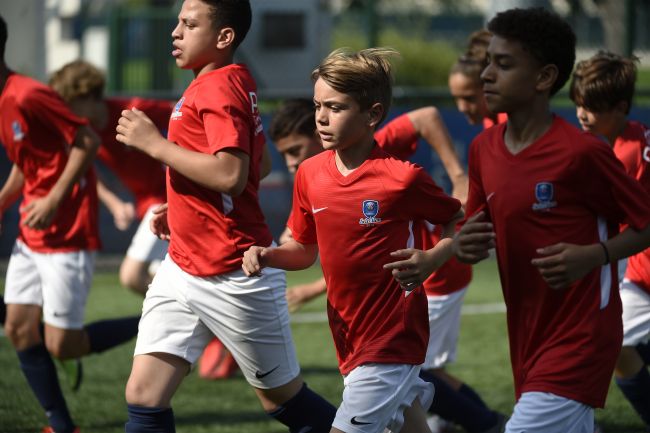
565	187
211	230
37	129
141	174
357	220
400	139
633	149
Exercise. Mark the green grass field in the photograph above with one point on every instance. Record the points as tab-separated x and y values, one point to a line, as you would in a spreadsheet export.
229	406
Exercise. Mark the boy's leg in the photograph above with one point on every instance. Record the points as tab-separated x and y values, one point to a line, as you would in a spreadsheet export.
250	317
415	419
631	374
541	412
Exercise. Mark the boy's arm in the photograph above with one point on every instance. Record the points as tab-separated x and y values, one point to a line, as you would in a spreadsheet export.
11	190
429	125
565	263
299	295
226	171
417	264
123	211
291	256
40	212
474	240
265	168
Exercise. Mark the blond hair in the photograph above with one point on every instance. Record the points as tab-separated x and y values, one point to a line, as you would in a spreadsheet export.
365	75
78	80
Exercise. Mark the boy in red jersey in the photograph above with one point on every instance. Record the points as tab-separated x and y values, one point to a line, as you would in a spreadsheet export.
360	208
602	89
214	153
81	85
51	265
294	134
550	198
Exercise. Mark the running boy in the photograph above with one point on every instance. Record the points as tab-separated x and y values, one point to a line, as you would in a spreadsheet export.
602	89
214	154
550	198
51	265
81	85
360	207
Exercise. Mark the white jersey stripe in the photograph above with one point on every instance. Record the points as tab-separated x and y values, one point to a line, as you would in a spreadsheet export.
228	206
605	270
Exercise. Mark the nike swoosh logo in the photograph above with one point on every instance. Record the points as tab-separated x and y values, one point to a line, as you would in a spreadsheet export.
355	422
259	374
489	196
315	211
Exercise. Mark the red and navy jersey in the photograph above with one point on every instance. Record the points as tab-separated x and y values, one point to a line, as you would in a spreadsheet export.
37	130
141	174
211	230
569	187
633	149
357	221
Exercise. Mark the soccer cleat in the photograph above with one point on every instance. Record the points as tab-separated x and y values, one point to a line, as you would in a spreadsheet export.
73	371
500	426
49	429
217	362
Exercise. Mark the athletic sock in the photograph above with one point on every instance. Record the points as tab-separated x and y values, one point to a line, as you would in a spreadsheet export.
149	420
457	408
40	372
637	391
644	352
107	334
469	392
306	412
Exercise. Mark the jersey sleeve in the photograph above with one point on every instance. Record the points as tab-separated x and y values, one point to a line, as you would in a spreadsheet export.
476	201
424	200
398	137
643	174
301	219
609	191
45	108
226	118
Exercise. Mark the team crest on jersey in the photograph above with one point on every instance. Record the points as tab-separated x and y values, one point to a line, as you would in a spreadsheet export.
544	193
177	108
18	132
370	209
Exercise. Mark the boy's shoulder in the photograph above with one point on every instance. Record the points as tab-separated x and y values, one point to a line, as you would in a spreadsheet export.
26	89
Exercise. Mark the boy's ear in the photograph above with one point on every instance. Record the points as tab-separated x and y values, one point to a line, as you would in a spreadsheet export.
225	38
375	113
546	77
622	107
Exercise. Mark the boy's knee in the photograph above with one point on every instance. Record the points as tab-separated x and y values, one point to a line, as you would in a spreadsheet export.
22	334
137	393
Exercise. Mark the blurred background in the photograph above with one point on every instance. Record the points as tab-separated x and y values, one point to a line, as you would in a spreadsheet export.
131	41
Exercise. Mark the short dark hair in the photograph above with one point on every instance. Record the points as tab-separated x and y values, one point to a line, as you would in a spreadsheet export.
543	34
474	59
295	116
3	37
231	13
604	80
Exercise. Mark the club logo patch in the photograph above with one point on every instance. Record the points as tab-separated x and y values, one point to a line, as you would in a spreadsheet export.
18	132
370	209
544	193
177	109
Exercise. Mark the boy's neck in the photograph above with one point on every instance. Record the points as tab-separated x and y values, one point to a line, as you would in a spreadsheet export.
213	66
351	158
4	74
527	124
617	131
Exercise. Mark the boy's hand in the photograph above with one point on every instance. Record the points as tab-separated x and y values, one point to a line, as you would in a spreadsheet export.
136	129
40	212
411	272
474	240
299	295
564	264
123	215
253	261
158	223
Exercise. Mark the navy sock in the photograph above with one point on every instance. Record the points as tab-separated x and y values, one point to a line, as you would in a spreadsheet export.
149	420
469	392
457	408
637	391
644	351
40	372
3	310
306	412
107	334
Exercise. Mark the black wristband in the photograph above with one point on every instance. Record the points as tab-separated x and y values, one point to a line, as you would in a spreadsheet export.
606	252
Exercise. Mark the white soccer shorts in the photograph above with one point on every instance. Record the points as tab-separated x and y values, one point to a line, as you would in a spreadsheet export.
145	246
543	412
376	395
444	325
636	313
57	282
181	312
